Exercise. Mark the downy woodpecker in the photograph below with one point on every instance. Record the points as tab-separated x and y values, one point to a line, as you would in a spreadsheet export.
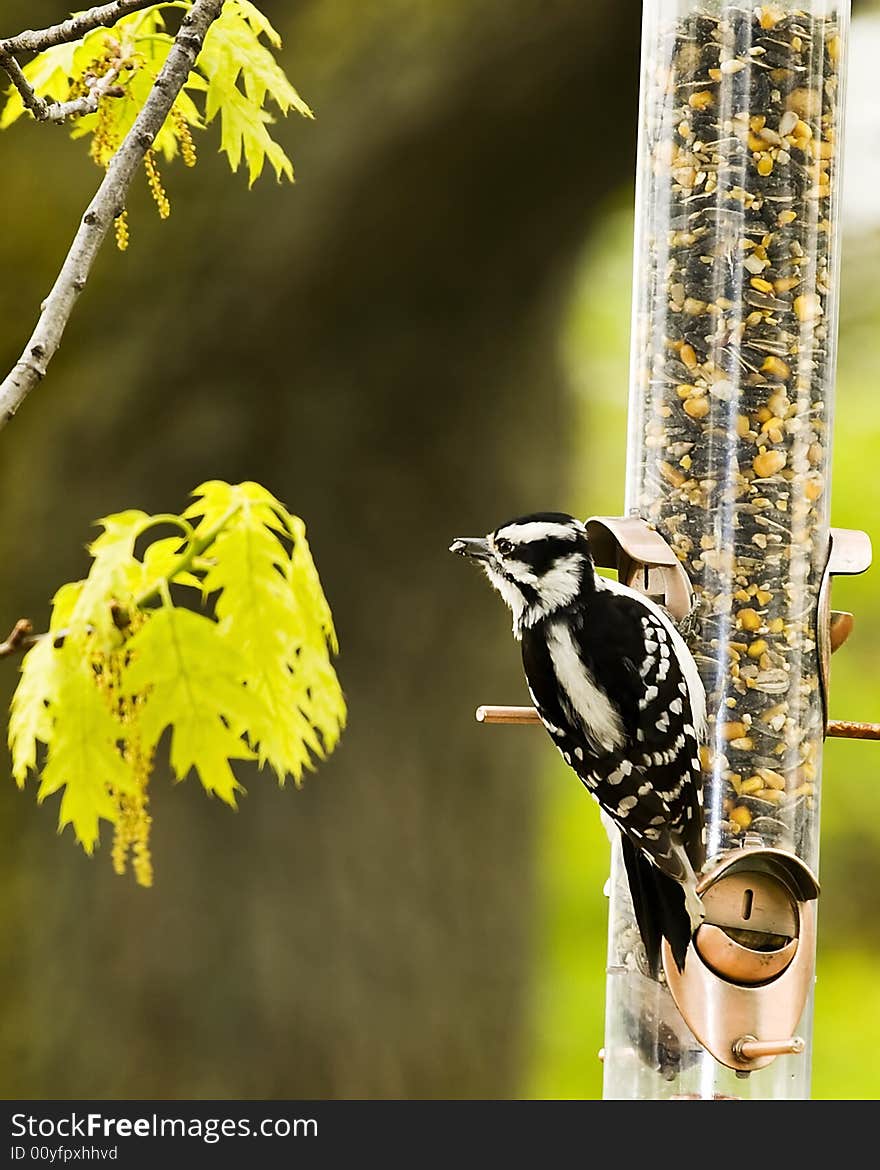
619	692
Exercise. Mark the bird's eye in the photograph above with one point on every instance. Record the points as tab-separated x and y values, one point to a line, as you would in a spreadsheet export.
504	546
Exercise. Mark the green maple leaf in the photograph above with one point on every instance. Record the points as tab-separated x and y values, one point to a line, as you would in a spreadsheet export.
193	683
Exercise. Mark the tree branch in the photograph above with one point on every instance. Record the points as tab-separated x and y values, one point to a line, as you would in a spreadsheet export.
37	106
104	86
108	202
51	111
72	29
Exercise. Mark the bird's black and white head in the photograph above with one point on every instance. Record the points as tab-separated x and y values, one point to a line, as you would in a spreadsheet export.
539	564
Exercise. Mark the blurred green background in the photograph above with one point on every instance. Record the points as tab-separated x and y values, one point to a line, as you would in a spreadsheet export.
426	335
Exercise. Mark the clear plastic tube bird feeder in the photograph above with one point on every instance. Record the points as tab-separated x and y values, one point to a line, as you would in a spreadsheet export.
732	388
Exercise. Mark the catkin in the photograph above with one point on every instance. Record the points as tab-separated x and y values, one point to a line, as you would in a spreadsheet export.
184	138
120	226
155	182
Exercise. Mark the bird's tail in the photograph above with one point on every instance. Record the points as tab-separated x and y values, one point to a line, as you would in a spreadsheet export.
661	908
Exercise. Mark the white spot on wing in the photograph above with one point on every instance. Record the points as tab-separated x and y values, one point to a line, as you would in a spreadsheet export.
619	773
692	685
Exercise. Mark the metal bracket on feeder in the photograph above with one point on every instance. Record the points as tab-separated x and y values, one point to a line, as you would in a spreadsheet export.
643	560
749	968
849	553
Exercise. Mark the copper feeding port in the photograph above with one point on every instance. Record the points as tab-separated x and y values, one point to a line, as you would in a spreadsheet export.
750	967
751	927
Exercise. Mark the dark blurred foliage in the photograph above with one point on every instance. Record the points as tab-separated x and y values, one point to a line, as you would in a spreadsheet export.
378	345
409	344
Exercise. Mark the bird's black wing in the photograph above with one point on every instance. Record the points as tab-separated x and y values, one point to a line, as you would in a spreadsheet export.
667	728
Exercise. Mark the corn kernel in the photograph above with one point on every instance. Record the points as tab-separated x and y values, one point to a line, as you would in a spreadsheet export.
741	816
814	487
701	100
776	367
696	408
771	779
672	474
769	463
748	619
784	284
732	731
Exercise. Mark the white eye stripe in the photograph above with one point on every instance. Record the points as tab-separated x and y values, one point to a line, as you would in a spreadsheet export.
537	530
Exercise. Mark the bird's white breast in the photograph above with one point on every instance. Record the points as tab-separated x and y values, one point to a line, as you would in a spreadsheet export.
591	706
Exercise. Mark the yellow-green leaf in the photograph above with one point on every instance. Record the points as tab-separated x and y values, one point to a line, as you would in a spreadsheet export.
29	719
193	683
273	612
83	757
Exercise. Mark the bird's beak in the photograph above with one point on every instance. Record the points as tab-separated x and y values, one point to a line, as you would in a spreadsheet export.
475	547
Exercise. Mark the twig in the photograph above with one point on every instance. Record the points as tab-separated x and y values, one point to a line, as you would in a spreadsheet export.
37	105
108	202
20	639
72	29
87	104
51	111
